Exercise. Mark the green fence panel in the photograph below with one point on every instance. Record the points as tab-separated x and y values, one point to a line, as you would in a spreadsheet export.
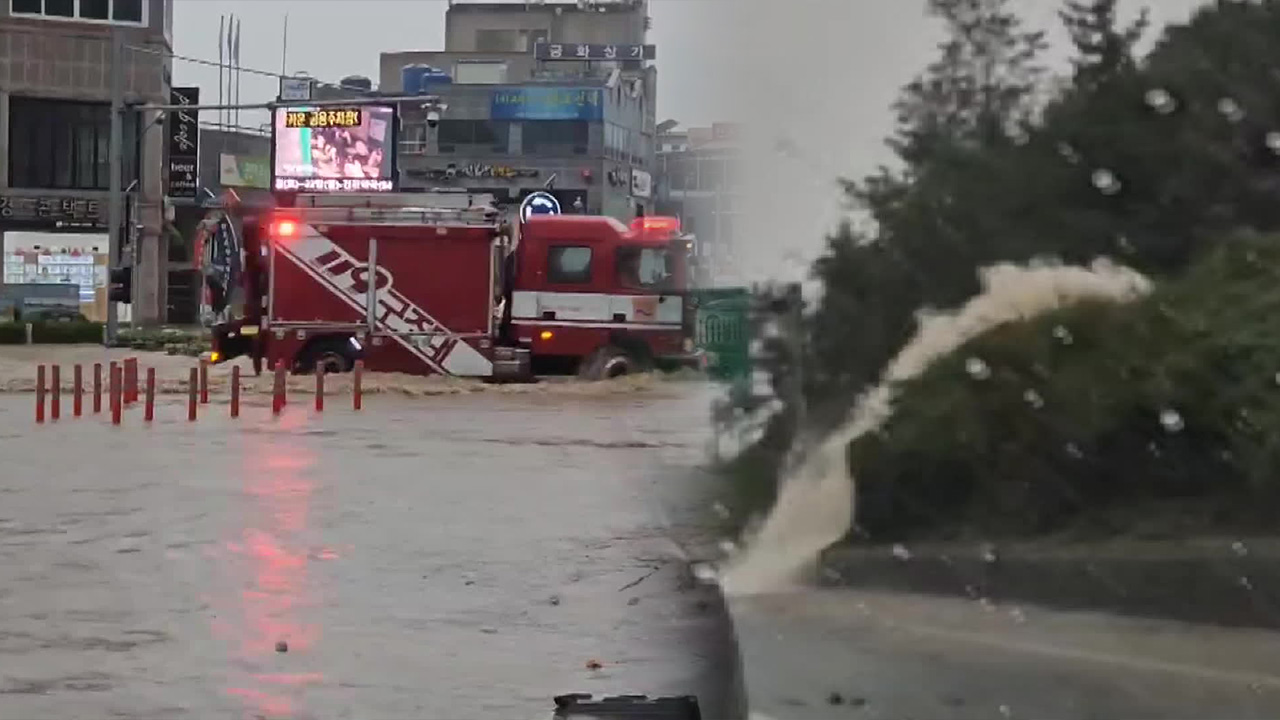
723	330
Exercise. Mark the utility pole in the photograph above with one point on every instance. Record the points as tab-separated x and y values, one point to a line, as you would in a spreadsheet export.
115	205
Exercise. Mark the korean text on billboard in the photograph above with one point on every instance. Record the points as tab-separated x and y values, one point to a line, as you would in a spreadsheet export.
334	149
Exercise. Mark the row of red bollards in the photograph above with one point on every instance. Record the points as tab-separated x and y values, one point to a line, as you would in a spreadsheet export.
122	390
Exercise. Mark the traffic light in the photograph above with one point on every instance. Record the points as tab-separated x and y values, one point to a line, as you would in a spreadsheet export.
120	288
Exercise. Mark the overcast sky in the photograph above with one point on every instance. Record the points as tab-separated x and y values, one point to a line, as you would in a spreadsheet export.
822	72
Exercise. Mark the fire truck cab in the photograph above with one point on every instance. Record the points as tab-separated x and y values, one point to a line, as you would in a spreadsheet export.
442	283
589	294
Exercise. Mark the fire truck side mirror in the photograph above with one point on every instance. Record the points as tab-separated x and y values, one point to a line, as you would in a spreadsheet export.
120	287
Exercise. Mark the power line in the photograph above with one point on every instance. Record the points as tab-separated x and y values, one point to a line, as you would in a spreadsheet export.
228	66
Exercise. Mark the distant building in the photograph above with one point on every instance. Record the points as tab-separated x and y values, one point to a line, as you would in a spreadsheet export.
534	92
698	181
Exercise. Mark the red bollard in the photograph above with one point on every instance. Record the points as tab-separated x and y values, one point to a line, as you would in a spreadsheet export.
77	391
40	394
55	389
357	386
97	388
204	381
278	389
115	391
192	382
149	409
319	388
235	391
130	381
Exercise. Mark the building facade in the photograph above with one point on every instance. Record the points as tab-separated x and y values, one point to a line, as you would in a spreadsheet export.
55	59
524	107
698	180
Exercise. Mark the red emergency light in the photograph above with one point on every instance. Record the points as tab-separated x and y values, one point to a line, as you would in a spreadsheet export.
284	229
656	224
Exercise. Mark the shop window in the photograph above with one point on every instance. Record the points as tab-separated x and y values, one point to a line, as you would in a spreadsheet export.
489	134
56	144
555	137
569	265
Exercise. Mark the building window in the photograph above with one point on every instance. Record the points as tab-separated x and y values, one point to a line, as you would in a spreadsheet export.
556	137
477	72
57	144
568	265
498	41
122	12
490	134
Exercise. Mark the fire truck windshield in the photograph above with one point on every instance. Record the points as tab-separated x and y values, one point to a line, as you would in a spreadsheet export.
644	268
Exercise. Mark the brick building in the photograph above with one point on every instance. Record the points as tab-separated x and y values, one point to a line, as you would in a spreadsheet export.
55	58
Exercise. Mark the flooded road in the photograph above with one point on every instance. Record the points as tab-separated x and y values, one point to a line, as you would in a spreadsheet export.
465	556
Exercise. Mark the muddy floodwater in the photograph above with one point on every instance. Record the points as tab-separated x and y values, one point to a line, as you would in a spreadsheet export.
454	556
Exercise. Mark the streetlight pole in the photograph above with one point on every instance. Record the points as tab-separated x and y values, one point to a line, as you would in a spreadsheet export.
115	208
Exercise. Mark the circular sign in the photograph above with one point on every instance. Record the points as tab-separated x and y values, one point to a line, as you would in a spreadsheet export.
539	203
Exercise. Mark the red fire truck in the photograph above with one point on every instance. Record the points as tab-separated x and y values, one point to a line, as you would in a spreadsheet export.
443	283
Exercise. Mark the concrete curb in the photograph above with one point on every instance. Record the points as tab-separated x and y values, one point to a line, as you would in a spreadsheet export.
1232	583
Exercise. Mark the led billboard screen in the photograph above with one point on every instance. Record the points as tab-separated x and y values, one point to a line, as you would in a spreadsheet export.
334	149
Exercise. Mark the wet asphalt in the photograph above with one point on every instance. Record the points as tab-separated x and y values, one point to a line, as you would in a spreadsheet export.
456	556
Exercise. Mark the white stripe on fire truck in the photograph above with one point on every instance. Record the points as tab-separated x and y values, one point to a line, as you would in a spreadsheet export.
446	351
594	324
330	285
452	355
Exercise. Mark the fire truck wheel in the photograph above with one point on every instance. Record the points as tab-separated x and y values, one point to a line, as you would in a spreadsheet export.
608	362
335	356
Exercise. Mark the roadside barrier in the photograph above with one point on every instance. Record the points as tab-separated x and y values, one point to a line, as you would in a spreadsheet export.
124	389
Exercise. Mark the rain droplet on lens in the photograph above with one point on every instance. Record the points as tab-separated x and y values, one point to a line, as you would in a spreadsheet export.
1244	583
705	572
720	510
1171	420
977	369
1230	109
1017	615
1161	101
989	553
901	552
1074	451
1063	335
728	547
1033	399
1239	548
1125	244
1106	181
1068	153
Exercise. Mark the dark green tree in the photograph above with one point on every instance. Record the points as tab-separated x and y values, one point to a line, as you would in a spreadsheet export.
1104	48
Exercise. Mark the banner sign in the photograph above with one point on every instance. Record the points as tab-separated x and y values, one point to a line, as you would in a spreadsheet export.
592	51
184	144
547	103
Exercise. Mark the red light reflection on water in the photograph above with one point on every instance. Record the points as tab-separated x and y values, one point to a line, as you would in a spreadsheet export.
268	608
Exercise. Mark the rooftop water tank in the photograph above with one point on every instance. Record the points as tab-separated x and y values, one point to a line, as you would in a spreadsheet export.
357	81
418	79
